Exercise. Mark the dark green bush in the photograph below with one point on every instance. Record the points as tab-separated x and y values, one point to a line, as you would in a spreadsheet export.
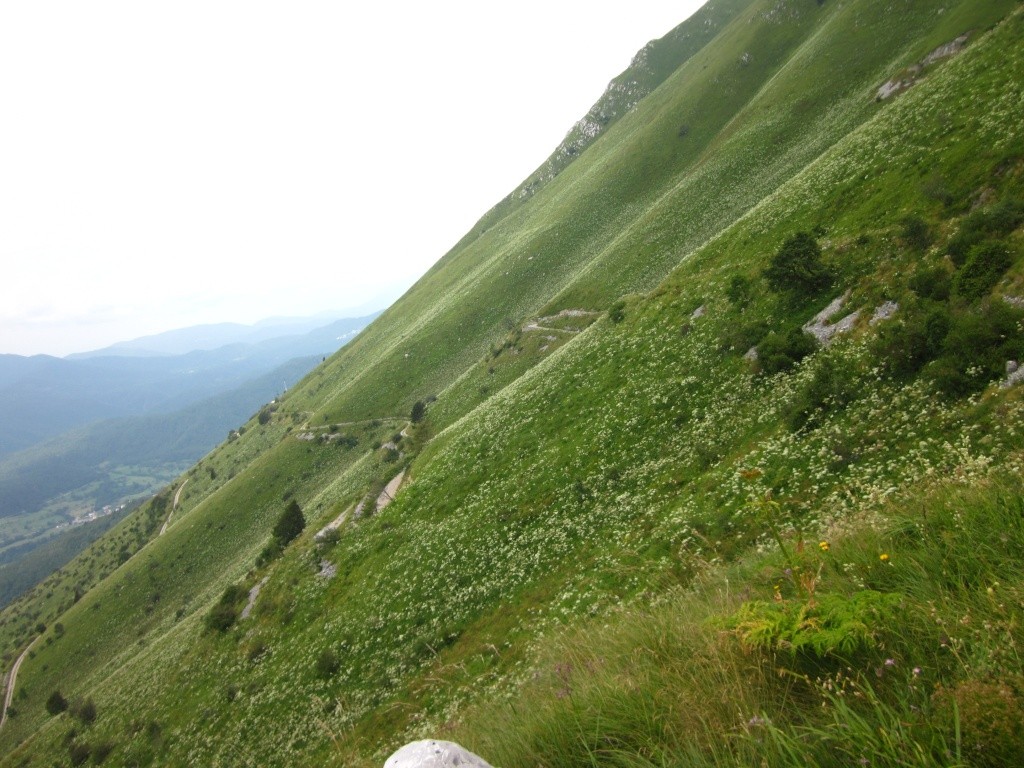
84	711
221	617
976	348
915	232
419	410
78	752
225	613
617	311
327	664
985	264
999	220
833	386
1005	216
101	752
932	283
269	553
904	346
781	351
56	703
289	524
742	337
796	269
740	290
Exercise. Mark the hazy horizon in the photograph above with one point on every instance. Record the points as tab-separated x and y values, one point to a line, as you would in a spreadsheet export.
328	316
209	162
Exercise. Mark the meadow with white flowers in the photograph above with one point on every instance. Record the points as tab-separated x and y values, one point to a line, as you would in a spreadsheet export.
622	539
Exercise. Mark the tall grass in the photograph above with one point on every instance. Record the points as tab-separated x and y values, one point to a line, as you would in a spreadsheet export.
665	685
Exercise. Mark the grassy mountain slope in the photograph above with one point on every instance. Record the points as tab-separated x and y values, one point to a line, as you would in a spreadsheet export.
618	464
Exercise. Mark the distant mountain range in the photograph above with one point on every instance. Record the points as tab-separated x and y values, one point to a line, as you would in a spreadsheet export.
181	341
43	396
104	427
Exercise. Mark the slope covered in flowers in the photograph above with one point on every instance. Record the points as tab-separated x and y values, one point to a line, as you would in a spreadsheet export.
605	471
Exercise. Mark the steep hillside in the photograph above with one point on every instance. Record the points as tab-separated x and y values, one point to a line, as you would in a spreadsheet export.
612	425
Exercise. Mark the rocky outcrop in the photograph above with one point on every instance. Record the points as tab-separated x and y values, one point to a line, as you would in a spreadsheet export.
909	78
883	312
253	594
1014	374
435	754
821	329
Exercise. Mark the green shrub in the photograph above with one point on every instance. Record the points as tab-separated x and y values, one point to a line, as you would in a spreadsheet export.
832	387
740	290
78	752
327	664
101	752
906	345
796	269
740	338
56	703
932	283
781	351
976	348
1005	216
84	711
997	221
985	264
269	553
225	613
419	410
617	311
289	524
330	537
915	232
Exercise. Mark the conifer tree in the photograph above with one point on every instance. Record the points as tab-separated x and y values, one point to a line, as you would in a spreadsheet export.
290	524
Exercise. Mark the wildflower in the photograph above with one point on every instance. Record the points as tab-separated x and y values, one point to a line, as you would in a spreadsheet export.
890	662
917	671
884	557
823	546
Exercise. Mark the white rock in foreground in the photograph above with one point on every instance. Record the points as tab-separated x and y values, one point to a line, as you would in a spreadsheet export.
434	754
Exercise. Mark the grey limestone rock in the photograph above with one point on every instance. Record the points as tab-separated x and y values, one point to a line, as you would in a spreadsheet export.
434	754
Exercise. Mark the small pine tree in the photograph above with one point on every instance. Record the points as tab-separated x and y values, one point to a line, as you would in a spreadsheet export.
419	410
290	524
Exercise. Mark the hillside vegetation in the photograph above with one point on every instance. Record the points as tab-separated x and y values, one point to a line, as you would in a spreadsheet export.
647	519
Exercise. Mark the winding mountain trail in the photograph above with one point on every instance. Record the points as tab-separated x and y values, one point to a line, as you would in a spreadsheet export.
12	680
174	506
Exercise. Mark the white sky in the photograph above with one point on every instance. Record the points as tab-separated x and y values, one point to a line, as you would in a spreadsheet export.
174	163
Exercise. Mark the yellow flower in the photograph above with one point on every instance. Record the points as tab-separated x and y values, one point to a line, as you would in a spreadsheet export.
884	557
823	546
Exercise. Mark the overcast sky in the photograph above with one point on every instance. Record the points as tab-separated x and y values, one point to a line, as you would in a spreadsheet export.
174	163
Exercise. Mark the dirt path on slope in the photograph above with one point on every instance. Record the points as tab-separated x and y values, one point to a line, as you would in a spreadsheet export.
174	506
12	680
388	494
